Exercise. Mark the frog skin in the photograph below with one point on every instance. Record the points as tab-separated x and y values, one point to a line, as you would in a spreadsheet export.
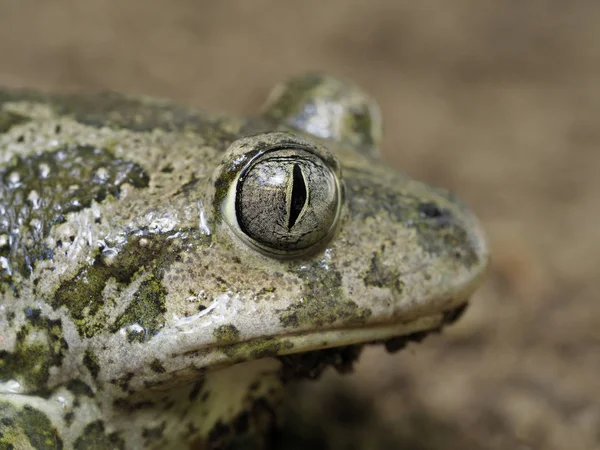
164	271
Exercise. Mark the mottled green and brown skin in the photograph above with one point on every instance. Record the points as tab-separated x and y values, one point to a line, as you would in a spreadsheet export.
134	314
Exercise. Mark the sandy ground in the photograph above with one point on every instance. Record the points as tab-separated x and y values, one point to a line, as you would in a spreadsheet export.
499	101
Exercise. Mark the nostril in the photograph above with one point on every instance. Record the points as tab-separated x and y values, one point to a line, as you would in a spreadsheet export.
441	217
430	210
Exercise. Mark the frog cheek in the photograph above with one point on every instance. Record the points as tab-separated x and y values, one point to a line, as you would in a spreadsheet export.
328	108
286	200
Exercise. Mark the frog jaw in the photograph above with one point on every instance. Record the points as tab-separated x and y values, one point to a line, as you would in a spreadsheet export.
406	257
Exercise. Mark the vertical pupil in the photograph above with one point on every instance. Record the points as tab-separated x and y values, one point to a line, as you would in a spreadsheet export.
298	195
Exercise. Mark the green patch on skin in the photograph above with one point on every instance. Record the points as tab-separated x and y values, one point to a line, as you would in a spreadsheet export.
90	360
26	427
95	437
226	334
382	276
83	295
147	310
256	349
157	367
324	301
40	345
38	191
360	122
9	119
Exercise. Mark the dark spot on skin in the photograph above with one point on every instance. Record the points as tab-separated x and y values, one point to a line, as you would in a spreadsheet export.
40	199
9	119
196	390
191	430
382	276
69	418
91	362
167	169
169	404
31	360
188	187
324	300
249	430
129	406
241	422
123	382
153	434
157	367
32	423
34	317
226	334
219	435
95	437
266	291
79	388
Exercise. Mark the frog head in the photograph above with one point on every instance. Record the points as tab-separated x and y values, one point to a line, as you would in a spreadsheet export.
144	245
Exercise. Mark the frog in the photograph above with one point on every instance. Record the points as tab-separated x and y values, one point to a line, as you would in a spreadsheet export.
165	271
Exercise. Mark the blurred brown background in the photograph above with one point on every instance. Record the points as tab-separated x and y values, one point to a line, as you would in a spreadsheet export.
499	101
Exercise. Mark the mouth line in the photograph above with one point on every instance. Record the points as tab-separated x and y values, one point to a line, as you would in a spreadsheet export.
371	333
308	341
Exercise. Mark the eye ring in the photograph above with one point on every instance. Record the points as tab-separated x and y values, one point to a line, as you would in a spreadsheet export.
285	195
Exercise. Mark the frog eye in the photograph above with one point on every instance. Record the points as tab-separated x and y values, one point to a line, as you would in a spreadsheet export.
286	200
